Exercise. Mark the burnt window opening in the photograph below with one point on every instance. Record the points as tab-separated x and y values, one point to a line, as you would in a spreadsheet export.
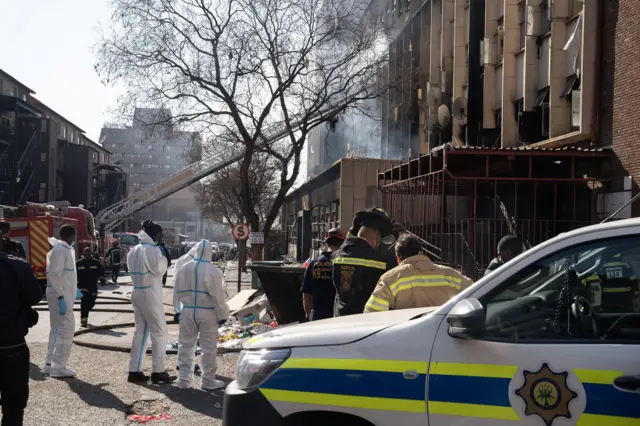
542	105
522	10
545	119
543	97
545	5
500	38
572	83
518	107
571	92
575	7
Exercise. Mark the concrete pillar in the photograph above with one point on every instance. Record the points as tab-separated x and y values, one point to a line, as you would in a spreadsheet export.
448	13
534	16
425	38
490	103
559	108
460	69
511	48
435	58
590	14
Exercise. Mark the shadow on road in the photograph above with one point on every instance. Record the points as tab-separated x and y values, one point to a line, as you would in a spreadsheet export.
207	403
96	396
35	373
111	333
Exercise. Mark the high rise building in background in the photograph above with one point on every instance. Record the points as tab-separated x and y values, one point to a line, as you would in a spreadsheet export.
149	153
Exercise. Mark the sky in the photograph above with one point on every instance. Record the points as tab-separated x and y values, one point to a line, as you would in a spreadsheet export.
47	46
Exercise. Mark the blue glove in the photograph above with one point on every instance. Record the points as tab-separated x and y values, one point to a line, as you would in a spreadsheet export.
62	306
79	295
176	317
222	322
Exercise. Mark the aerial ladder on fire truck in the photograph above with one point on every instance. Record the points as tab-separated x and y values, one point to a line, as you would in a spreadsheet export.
110	217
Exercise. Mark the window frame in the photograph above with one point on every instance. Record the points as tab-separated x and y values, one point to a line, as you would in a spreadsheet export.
552	246
522	12
502	285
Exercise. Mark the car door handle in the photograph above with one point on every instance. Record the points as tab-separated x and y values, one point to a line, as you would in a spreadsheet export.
627	383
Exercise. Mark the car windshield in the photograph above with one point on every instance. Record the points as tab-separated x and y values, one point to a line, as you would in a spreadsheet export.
593	284
129	240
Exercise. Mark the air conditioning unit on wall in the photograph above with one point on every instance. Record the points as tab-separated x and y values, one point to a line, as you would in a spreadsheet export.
488	49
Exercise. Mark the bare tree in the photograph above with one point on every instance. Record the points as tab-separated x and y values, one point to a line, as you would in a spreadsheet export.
219	196
246	68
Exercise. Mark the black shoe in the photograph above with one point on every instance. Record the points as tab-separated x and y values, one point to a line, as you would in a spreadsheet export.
84	322
137	377
196	368
163	377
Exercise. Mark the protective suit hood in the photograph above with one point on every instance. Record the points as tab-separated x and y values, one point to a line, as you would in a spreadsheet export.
184	259
203	250
56	242
145	238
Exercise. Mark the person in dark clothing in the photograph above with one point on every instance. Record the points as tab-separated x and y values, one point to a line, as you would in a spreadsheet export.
317	287
114	257
11	247
89	272
357	267
20	291
168	256
508	248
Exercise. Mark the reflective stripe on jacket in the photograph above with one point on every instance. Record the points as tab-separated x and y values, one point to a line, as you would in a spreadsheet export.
417	282
357	267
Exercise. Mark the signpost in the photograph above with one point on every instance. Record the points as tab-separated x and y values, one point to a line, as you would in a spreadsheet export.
257	238
240	232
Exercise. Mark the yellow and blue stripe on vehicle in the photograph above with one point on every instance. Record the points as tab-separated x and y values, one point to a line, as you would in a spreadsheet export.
355	383
482	391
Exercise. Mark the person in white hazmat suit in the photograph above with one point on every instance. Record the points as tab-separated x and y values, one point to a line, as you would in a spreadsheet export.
200	300
147	264
62	290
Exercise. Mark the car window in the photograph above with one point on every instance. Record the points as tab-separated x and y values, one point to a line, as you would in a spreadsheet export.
130	240
589	291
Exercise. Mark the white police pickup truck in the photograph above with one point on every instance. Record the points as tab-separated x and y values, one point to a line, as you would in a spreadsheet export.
551	338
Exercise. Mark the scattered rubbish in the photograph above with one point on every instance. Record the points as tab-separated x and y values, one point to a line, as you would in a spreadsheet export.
257	310
233	336
146	419
148	409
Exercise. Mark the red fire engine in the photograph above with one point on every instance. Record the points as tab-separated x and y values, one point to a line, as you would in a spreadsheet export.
33	223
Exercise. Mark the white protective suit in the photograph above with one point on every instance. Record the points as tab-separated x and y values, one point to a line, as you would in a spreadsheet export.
147	265
62	280
197	286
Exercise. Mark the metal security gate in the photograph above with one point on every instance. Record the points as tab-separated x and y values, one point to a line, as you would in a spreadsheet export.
462	201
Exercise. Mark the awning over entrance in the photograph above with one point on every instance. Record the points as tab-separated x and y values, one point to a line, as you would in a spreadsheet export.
462	201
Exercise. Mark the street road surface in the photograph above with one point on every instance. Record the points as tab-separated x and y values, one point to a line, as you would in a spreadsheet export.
100	394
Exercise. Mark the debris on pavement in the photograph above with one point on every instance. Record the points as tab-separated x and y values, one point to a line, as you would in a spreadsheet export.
233	336
149	409
146	419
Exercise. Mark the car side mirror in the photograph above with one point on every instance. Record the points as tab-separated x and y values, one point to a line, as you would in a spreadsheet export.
467	320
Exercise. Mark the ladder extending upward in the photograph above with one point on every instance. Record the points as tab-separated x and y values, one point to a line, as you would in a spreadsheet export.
115	214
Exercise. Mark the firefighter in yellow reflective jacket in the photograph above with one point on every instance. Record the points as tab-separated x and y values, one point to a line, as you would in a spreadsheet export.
357	267
613	287
416	282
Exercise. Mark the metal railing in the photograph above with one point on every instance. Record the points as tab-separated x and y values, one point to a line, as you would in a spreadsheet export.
28	189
